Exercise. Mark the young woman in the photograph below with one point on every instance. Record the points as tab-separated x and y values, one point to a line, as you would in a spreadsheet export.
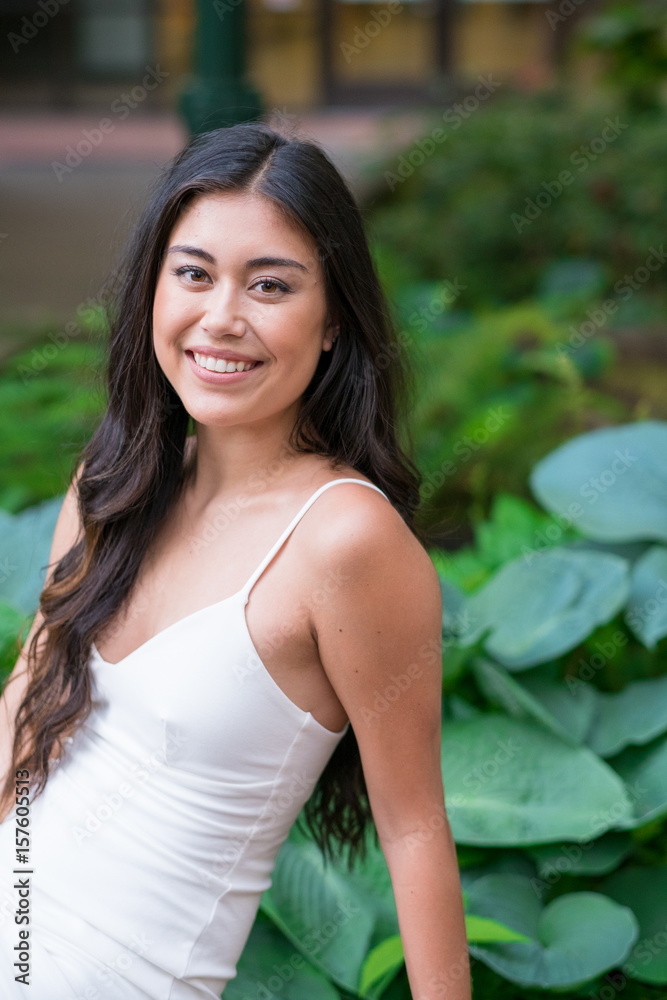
236	622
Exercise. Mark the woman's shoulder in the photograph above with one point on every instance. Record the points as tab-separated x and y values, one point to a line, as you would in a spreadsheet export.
355	523
360	537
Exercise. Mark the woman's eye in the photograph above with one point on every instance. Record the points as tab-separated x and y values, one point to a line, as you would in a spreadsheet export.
195	273
271	286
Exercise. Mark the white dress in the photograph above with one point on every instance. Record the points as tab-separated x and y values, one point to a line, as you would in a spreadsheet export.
158	830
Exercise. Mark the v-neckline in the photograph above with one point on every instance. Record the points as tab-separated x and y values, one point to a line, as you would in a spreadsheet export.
248	585
167	628
301	712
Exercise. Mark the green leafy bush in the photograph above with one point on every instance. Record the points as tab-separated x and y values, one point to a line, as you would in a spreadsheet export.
490	207
497	391
633	39
51	400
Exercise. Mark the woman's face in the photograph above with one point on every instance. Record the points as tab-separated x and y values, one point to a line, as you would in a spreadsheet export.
238	285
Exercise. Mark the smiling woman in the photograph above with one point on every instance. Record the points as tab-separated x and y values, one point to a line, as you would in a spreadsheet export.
280	296
207	647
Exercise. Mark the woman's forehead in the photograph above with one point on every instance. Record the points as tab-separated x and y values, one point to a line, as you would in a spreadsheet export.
240	214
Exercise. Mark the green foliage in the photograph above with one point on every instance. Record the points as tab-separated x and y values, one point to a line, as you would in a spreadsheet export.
487	210
633	39
538	607
573	938
52	400
644	891
496	393
268	960
552	748
611	482
25	542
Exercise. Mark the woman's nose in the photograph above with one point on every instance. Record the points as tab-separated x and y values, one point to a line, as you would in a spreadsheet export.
223	312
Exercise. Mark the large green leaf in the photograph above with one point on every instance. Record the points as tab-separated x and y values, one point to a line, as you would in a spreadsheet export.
270	968
25	543
504	690
644	770
537	609
384	961
644	890
484	929
575	937
592	857
573	708
324	911
646	613
513	525
635	715
509	782
610	482
380	966
453	609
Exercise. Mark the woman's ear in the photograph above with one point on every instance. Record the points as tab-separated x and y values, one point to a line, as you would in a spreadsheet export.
332	331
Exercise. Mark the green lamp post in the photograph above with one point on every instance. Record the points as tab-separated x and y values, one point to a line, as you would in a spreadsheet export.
218	94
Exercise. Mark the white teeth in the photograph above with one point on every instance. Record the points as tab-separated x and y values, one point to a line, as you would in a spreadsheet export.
220	365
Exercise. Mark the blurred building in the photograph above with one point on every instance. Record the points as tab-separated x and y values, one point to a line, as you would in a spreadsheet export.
300	53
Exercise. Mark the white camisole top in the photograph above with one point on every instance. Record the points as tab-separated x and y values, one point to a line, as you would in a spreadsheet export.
158	829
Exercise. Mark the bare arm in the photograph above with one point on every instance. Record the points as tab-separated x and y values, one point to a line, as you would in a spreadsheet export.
65	535
379	639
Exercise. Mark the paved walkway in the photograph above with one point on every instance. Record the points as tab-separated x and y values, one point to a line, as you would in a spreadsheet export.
64	215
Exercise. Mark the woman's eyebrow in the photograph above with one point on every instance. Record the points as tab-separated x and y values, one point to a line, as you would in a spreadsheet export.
193	252
250	264
274	262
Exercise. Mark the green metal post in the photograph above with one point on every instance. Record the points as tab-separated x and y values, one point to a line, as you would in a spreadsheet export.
218	94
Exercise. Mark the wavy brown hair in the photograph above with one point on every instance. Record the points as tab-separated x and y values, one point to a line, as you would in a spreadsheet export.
131	470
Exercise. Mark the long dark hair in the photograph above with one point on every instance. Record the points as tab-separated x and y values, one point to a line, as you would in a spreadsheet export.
132	469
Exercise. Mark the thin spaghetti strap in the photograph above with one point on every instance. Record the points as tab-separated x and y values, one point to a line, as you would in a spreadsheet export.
292	525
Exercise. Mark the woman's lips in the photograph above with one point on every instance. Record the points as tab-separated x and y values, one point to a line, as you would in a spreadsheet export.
219	378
